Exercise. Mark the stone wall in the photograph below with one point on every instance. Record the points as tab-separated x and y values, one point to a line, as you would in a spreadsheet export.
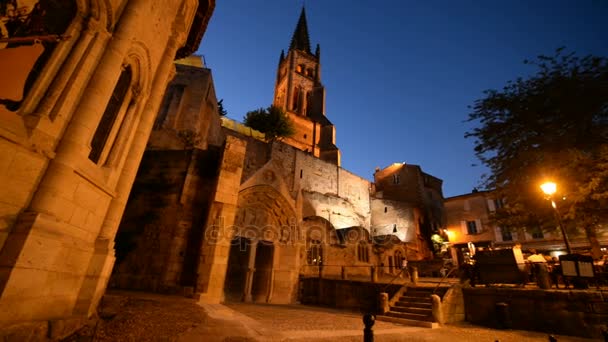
577	313
388	216
148	227
472	207
188	116
159	239
69	155
346	294
399	182
332	192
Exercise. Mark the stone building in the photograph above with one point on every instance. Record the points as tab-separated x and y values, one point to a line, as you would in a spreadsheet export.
409	192
469	225
81	85
229	216
300	93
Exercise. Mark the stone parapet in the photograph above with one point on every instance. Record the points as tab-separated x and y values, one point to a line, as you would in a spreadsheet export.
578	313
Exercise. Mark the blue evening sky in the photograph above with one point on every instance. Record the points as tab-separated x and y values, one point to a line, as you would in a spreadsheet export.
399	75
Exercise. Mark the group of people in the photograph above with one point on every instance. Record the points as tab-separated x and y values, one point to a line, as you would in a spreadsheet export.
536	262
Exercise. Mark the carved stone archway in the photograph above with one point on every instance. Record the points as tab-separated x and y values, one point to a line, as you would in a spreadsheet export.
268	220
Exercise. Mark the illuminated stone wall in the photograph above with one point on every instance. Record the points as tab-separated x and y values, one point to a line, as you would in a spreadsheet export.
70	151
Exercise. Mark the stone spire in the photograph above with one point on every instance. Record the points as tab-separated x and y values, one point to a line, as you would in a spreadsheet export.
300	39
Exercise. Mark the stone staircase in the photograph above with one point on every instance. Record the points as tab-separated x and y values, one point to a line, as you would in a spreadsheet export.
414	307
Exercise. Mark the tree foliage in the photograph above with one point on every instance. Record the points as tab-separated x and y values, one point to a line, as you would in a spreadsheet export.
552	125
272	121
220	108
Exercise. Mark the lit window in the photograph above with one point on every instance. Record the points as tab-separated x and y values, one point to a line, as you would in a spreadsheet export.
314	254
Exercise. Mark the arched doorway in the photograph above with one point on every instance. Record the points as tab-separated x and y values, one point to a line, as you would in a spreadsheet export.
249	274
236	272
264	221
261	284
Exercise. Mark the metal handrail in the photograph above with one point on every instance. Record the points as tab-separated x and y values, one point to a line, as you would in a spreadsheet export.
445	277
392	280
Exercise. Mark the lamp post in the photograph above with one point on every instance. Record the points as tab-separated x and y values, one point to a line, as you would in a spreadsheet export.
549	188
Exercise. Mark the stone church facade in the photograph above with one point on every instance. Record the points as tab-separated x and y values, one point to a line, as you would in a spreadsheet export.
81	84
220	214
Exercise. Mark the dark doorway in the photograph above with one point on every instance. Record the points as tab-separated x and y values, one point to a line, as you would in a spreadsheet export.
263	272
236	272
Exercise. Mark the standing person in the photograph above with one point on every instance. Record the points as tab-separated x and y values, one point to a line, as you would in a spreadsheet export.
554	271
539	269
536	257
404	267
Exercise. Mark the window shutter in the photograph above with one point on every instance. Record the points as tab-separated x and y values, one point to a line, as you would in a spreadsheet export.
514	235
498	233
463	227
478	226
491	206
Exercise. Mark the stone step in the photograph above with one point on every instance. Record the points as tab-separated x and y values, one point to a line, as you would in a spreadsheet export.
426	305
419	311
408	299
408	322
417	294
429	290
411	316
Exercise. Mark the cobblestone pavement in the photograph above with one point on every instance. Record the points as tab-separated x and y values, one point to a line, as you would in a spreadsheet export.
302	323
133	316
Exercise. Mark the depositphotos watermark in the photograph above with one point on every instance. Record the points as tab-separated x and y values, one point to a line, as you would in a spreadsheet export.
287	234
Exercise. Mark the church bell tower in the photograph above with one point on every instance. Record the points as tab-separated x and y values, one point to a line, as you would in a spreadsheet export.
299	92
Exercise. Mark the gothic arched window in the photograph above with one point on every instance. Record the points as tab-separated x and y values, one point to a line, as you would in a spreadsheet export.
116	106
398	259
297	99
363	251
314	253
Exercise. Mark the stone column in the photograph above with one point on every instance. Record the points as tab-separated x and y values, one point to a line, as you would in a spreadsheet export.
219	227
100	266
274	266
250	272
75	143
44	283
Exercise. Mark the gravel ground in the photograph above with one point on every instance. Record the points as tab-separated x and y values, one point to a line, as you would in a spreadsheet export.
142	317
132	316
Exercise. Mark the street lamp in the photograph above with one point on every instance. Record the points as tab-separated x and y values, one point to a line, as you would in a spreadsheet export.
549	188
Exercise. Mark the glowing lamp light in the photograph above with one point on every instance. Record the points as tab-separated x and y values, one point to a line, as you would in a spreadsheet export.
449	233
549	188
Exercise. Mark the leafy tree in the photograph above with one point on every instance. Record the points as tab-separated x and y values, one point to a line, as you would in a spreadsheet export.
220	108
552	125
272	121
